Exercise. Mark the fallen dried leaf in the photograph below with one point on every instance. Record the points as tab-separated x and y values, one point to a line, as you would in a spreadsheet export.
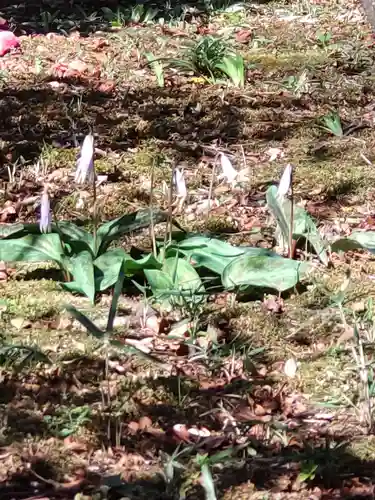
347	334
8	41
72	444
106	87
274	153
243	36
20	323
133	427
181	432
274	304
144	423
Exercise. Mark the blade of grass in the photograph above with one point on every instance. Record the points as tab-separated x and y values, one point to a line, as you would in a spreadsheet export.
115	298
86	322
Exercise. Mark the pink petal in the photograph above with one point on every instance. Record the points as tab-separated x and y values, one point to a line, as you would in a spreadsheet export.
8	41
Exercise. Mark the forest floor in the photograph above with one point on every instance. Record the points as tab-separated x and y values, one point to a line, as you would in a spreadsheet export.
275	405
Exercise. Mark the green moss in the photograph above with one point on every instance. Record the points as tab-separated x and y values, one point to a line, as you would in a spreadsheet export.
56	158
32	300
288	60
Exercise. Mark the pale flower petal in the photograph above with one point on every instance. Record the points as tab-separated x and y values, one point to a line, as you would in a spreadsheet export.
179	183
290	368
45	213
85	163
228	172
285	181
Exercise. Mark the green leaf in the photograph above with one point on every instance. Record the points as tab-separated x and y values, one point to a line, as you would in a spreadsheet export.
212	245
115	298
274	202
82	269
303	225
178	282
147	262
183	275
358	239
72	286
208	483
114	229
233	66
71	233
17	230
263	271
32	248
107	266
319	246
21	355
158	280
217	263
86	322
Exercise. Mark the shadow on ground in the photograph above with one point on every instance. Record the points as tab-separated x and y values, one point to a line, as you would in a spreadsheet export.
184	121
87	16
257	461
338	475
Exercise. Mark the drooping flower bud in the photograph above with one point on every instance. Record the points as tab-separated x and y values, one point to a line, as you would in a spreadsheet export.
229	174
179	183
45	213
285	181
85	163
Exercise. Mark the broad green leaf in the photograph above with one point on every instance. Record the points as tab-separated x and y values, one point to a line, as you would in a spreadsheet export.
177	283
68	231
215	262
183	275
365	238
345	245
234	67
116	228
147	262
19	355
319	246
72	286
358	239
159	280
107	266
82	269
305	227
71	233
16	230
212	245
32	248
188	286
265	272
